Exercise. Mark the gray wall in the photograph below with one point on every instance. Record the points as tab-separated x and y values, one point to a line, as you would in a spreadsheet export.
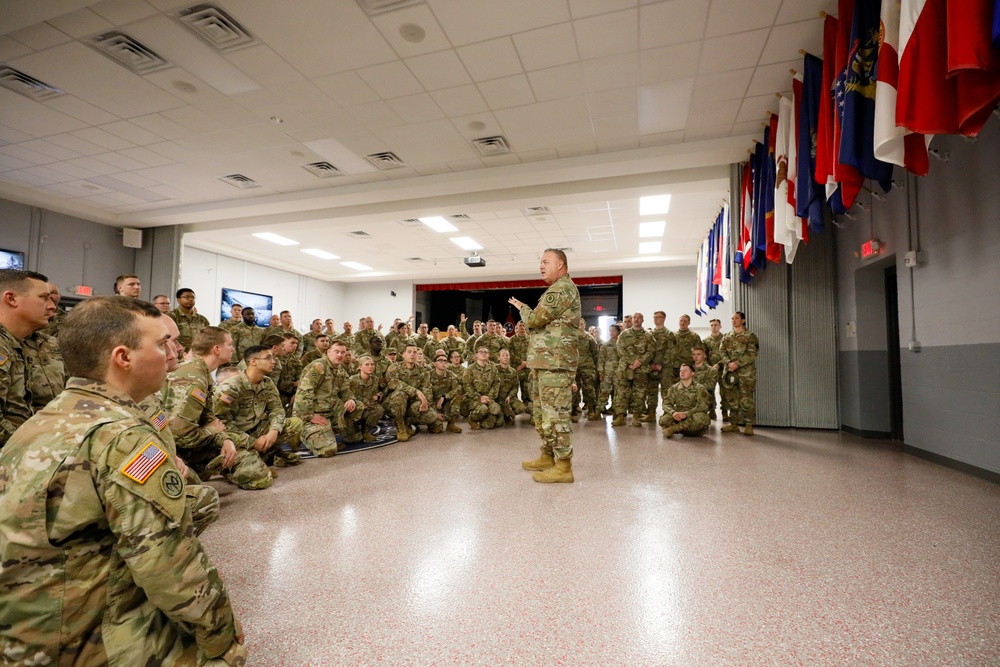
950	303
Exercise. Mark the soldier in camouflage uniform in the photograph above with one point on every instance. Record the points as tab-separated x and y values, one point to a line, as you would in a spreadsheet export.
25	307
245	335
56	321
739	359
320	345
447	393
518	346
46	372
493	340
189	322
364	386
553	354
291	369
309	338
511	405
685	406
422	340
686	340
347	338
249	405
235	318
665	346
366	331
471	343
713	349
706	375
284	326
635	351
586	375
100	562
481	384
396	338
325	403
452	342
408	386
201	437
607	368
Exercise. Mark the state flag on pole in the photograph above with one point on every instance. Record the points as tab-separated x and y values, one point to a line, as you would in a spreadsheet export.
772	249
892	143
785	220
824	127
809	195
844	174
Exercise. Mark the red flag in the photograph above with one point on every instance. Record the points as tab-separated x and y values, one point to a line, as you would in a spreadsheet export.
745	253
509	324
773	249
848	177
792	197
824	129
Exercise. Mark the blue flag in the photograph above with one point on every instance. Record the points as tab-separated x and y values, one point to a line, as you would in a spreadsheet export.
761	181
996	23
856	96
808	195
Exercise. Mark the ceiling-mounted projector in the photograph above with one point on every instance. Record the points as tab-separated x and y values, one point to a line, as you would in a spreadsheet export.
475	260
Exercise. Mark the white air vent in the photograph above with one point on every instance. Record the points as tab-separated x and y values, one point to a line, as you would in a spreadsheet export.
415	260
359	235
376	7
491	145
411	222
322	169
386	160
129	52
460	216
216	27
536	210
240	181
30	87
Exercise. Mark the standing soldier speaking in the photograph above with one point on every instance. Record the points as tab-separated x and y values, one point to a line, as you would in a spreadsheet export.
552	357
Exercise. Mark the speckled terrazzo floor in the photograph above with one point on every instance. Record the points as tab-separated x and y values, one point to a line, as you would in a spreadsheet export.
788	548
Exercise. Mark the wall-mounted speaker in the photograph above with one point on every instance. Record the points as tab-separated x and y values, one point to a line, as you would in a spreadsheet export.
131	238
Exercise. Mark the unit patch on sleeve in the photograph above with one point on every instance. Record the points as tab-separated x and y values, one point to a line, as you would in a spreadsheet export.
144	463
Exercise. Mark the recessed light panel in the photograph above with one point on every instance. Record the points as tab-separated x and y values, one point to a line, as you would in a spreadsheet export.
465	243
439	224
274	238
652	229
322	254
656	205
650	247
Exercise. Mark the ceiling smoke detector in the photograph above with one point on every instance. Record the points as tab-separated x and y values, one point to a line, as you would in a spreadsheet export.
491	145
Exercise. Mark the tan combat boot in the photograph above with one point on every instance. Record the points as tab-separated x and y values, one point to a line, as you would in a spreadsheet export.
474	424
730	428
560	473
619	420
636	420
436	427
748	429
401	433
367	436
543	462
593	416
650	417
670	430
454	428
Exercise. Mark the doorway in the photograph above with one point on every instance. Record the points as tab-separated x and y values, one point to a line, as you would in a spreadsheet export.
892	342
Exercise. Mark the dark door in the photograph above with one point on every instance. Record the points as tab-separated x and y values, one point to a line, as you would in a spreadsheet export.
892	339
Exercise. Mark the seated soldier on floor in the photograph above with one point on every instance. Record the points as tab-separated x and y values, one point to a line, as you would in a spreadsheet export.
685	405
249	405
706	375
482	386
324	402
510	404
201	437
364	386
409	388
447	392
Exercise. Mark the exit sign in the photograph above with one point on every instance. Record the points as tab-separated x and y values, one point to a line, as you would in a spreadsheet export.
871	248
84	290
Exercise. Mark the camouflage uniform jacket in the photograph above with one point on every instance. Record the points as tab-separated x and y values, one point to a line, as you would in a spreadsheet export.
494	343
481	381
607	359
281	331
471	343
707	376
366	392
449	345
447	385
362	341
245	337
634	345
323	387
230	324
188	325
554	324
518	346
678	398
382	365
685	341
713	348
100	565
422	341
291	371
589	351
665	343
46	372
243	406
508	383
308	343
348	340
739	347
392	339
15	399
187	399
309	357
408	380
56	322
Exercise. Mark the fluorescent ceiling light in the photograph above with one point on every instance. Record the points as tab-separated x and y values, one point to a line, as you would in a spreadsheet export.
322	254
652	229
274	238
650	247
356	266
465	243
658	205
438	224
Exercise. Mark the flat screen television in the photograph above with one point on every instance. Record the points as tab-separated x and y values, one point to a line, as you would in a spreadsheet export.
11	259
261	304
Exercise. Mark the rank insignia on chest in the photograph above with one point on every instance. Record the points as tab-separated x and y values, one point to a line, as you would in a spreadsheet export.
159	420
226	398
3	359
200	395
144	463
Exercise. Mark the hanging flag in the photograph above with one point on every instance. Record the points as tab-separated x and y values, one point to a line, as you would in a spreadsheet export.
772	249
845	175
785	220
996	24
508	326
808	189
802	224
892	143
824	128
725	287
763	201
743	247
858	117
949	76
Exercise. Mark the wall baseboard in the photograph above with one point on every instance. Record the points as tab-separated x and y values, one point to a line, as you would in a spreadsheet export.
954	464
862	433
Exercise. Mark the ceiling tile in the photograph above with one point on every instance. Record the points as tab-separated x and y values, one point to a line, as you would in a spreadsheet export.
617	128
608	34
132	133
606	104
120	161
346	89
375	115
53	150
556	82
757	108
162	126
439	70
673	22
40	36
81	23
784	42
800	10
582	8
478	125
415	108
26	155
507	92
73	170
120	12
546	47
554	124
96	166
491	59
772	78
732	16
11	48
721	86
713	113
391	79
30	117
103	139
146	156
391	23
663	107
731	52
668	63
611	72
460	100
263	65
77	108
469	21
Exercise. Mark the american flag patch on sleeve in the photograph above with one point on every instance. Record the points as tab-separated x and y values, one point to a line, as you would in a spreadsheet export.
159	420
226	398
3	359
144	463
199	394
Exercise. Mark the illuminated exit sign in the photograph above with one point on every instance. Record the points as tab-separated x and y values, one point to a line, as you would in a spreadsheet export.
871	248
84	290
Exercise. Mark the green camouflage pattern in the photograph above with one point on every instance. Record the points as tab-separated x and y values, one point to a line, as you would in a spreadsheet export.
630	390
449	388
244	337
691	400
56	322
607	369
686	340
494	343
482	381
46	371
713	348
15	400
740	347
250	411
189	325
369	408
664	349
402	385
324	389
99	568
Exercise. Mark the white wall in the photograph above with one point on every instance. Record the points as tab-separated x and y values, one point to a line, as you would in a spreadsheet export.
307	298
375	300
671	290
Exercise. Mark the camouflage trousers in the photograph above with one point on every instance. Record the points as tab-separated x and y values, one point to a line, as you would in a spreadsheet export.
512	409
524	380
291	433
203	501
364	421
554	397
742	407
488	415
451	409
630	393
405	408
606	391
695	423
652	398
729	396
321	439
586	384
247	470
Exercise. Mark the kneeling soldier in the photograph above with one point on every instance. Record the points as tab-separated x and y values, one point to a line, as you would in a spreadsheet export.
369	410
685	406
324	402
447	390
482	386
